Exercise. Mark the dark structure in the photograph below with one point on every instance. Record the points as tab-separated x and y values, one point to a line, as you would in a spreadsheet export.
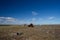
19	33
31	25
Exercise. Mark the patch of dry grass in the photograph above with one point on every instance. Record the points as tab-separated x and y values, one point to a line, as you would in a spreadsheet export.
35	33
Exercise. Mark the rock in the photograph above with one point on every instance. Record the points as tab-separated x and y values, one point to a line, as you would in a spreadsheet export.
31	25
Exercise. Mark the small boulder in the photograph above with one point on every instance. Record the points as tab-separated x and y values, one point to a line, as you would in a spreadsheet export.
19	33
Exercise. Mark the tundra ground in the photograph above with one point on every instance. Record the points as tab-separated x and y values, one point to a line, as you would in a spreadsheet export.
45	32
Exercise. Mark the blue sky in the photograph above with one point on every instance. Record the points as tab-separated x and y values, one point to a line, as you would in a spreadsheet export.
30	11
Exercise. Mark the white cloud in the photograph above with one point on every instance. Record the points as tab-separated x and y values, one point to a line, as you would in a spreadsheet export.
34	13
34	20
50	18
2	17
10	19
7	20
